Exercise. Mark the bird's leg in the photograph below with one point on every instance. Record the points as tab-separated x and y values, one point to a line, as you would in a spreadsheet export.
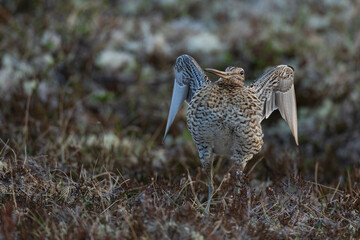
207	159
211	186
240	177
240	201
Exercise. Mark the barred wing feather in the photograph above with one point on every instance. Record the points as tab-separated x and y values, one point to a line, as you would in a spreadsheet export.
275	88
189	77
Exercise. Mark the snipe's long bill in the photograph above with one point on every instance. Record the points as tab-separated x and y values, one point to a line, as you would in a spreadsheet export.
224	117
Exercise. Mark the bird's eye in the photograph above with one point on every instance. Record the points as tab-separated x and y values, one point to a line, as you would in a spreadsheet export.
242	73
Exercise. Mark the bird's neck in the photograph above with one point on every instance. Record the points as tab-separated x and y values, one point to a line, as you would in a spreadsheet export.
231	82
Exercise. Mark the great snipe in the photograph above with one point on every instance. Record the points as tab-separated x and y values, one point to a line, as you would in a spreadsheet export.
224	116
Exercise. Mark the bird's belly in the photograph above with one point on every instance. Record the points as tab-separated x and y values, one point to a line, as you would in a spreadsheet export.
223	143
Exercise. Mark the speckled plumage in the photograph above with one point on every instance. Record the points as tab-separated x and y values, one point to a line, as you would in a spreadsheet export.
224	117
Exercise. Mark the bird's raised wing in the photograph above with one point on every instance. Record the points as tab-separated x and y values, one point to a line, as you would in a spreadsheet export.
275	89
188	78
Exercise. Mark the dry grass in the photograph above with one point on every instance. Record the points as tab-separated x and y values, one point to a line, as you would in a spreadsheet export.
45	201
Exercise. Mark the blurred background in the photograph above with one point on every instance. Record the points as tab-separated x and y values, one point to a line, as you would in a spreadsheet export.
87	84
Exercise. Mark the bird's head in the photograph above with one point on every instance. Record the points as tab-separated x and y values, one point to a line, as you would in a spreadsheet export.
233	73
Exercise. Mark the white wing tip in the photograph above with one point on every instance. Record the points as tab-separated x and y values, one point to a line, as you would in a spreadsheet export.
296	139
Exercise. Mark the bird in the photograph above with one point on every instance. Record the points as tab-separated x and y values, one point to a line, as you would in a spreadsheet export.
224	117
